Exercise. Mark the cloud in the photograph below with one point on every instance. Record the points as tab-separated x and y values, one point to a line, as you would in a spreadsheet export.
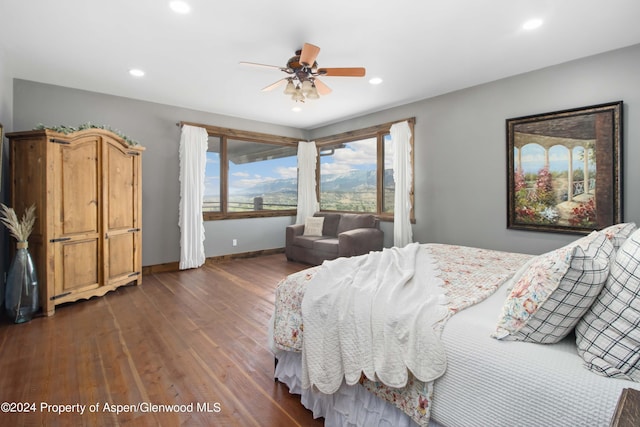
356	153
287	172
335	168
212	186
248	182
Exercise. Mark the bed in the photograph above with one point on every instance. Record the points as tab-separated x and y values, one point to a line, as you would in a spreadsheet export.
504	364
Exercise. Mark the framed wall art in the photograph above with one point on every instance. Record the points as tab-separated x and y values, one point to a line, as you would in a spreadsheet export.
564	170
1	151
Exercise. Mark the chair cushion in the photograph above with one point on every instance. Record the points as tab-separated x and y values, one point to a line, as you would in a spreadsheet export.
306	241
329	246
330	226
353	221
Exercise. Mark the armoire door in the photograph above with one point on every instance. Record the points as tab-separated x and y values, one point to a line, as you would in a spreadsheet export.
76	198
122	213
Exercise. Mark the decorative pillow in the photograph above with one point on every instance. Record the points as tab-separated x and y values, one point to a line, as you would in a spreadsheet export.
618	233
313	226
608	336
551	296
518	274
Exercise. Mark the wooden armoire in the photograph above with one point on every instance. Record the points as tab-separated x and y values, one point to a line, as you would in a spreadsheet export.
87	188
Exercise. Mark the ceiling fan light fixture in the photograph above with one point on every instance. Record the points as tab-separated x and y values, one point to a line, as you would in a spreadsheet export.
290	89
306	87
313	92
303	72
297	95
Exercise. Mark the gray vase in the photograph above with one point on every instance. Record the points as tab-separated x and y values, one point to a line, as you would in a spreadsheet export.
21	290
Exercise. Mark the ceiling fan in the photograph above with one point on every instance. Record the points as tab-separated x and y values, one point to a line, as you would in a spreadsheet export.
303	82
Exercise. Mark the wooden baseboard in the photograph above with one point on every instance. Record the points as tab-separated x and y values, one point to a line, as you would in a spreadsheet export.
160	268
175	266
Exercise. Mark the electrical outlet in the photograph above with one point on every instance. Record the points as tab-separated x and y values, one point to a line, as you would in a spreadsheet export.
234	242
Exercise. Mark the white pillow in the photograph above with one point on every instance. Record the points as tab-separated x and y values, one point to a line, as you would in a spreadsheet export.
608	336
313	226
551	296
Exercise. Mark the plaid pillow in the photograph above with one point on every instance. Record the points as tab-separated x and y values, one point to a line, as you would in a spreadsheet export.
608	336
551	296
618	233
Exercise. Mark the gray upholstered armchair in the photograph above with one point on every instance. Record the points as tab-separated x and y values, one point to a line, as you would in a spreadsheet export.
340	235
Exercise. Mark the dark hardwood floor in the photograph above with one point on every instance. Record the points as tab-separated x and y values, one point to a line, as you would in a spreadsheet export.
196	339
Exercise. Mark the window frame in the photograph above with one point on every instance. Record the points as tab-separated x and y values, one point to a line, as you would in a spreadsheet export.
226	134
378	132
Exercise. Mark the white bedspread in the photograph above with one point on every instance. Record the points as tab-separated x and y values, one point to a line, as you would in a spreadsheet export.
361	315
514	383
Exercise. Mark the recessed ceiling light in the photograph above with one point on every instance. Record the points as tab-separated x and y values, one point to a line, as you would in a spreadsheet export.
532	24
179	7
296	109
375	81
135	72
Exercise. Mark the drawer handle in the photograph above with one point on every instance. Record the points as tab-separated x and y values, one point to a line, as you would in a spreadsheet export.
59	296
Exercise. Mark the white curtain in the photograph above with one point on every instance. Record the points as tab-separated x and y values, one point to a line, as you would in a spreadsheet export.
307	199
402	175
193	159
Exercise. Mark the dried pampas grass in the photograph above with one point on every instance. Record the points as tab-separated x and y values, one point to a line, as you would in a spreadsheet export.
18	229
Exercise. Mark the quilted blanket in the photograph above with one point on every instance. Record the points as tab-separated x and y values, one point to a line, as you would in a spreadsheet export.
373	315
468	276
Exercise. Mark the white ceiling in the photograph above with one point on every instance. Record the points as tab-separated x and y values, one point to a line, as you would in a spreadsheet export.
421	48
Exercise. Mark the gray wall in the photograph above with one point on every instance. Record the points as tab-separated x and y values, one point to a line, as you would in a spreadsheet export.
460	147
460	153
6	119
154	126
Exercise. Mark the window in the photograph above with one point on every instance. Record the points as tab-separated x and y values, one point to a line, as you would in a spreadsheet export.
249	175
356	171
212	177
261	177
348	176
252	174
388	183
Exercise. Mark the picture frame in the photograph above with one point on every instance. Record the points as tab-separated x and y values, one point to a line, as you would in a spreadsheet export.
1	153
564	170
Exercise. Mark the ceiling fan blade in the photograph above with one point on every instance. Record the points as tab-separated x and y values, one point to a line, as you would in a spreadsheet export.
274	85
323	89
309	54
342	72
254	64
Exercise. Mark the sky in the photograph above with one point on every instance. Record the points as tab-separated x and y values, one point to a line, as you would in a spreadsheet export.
533	158
356	155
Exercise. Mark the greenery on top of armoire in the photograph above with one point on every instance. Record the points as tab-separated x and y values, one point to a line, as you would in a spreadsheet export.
70	129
